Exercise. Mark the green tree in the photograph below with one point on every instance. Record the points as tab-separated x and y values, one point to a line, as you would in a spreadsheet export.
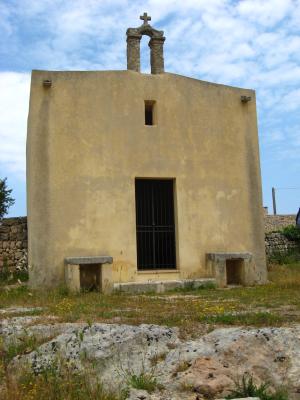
5	198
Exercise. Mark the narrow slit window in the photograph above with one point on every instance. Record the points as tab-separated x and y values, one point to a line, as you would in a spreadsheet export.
150	112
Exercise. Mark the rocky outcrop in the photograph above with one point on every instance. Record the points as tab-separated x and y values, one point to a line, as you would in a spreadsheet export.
209	365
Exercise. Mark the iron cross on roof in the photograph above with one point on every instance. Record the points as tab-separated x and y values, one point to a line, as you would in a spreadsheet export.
145	18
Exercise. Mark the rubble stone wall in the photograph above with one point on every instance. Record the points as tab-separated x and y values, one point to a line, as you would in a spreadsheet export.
276	242
13	243
277	222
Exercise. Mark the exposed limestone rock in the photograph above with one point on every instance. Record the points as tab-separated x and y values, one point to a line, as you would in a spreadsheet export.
207	366
19	310
143	395
117	351
221	357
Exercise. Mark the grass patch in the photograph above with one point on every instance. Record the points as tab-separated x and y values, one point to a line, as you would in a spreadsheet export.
264	305
284	258
285	277
255	318
245	306
50	384
247	388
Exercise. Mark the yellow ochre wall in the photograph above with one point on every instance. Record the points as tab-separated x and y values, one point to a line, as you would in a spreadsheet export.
87	143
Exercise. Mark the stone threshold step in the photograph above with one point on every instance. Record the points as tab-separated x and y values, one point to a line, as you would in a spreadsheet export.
162	286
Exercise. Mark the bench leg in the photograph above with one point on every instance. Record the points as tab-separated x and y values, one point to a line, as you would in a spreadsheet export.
248	273
106	278
72	277
219	266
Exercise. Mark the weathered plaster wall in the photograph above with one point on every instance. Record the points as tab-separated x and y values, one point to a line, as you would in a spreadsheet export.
87	142
13	243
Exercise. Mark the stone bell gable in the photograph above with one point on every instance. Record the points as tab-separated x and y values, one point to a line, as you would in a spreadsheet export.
156	45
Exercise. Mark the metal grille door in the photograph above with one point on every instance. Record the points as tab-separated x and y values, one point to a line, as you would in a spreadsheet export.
155	227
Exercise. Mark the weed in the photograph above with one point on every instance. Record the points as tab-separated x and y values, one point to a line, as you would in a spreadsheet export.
186	387
22	345
143	382
63	291
247	388
208	285
4	273
181	367
190	287
80	335
89	322
9	277
158	358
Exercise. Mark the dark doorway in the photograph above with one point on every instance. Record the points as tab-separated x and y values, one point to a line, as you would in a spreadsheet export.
234	271
155	223
90	277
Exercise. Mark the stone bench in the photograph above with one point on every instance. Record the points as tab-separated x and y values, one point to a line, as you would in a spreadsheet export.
89	273
230	268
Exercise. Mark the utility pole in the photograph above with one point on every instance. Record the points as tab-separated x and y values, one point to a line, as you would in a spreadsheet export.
274	201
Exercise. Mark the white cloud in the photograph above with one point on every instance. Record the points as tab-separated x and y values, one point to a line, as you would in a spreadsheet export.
14	98
248	43
265	12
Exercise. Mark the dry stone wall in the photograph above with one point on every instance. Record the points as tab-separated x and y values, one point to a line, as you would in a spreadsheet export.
277	222
13	243
276	242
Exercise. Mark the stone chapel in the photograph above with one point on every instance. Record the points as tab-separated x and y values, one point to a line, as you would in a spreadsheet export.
142	181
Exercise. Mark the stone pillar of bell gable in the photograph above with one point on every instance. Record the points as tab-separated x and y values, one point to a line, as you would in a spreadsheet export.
133	52
157	55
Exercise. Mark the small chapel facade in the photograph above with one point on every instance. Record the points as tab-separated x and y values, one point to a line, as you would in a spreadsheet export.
136	177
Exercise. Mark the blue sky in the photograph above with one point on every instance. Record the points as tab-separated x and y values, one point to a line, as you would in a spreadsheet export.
248	43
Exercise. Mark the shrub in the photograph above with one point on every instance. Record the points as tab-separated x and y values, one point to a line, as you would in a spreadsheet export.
292	232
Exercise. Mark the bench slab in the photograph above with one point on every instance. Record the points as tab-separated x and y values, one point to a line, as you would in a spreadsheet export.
89	260
228	256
